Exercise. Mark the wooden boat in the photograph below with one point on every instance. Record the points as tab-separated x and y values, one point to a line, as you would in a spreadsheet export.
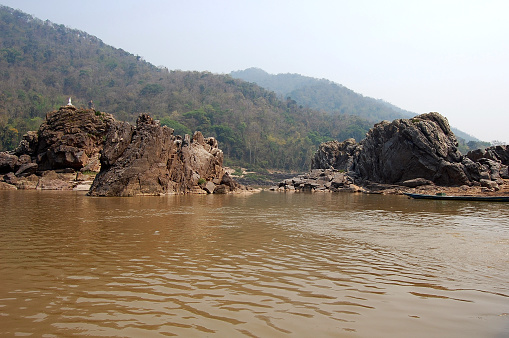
443	197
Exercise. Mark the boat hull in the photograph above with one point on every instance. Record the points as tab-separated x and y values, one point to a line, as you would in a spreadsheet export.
460	198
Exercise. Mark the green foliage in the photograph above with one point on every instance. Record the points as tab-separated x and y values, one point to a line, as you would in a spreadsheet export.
89	173
464	146
323	94
316	139
9	137
151	90
178	128
12	55
201	181
42	64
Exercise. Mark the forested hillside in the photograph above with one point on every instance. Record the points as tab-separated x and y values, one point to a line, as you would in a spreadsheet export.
335	99
42	64
323	94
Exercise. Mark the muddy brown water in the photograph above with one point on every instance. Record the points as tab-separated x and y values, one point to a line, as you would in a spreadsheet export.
259	265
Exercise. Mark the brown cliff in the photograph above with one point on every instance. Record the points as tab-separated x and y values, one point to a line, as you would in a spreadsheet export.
154	161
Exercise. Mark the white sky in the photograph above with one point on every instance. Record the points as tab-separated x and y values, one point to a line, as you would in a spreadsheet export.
446	56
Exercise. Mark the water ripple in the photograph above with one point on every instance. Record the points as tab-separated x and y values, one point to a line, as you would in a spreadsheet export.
264	265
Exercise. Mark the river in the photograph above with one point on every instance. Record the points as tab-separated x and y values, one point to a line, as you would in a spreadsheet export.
257	265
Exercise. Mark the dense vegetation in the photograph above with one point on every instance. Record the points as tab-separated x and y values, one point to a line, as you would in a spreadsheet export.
42	64
322	94
333	98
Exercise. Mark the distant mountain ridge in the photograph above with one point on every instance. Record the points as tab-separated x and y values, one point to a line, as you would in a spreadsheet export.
326	95
42	64
323	94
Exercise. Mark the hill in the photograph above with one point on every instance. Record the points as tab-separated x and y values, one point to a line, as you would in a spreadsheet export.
336	99
43	63
322	94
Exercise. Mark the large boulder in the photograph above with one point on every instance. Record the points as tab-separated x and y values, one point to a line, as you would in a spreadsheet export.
335	154
71	138
405	149
150	160
8	162
422	148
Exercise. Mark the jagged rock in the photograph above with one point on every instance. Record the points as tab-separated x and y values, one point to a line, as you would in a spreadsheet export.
494	153
7	186
476	154
318	180
409	153
228	183
334	154
405	149
491	169
27	169
155	162
423	147
70	138
117	140
504	172
147	159
10	178
8	162
28	144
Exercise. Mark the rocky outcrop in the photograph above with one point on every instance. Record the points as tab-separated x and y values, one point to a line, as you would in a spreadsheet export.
412	152
152	161
405	149
143	160
335	154
71	138
495	153
319	180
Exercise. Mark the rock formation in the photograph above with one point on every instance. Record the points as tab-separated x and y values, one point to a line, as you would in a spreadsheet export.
412	152
146	159
150	160
71	138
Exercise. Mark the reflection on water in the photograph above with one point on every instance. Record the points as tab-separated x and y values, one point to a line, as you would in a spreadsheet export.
267	264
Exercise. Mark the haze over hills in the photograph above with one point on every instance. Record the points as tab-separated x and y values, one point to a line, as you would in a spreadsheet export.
43	63
322	94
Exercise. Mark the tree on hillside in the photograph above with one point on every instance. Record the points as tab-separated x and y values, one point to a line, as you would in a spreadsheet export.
42	64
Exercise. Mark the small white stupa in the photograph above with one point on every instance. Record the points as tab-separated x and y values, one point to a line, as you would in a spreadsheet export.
69	105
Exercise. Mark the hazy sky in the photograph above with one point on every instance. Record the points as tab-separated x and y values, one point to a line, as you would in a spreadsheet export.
446	56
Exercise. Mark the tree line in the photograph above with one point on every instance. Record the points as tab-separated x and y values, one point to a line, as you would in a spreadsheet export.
42	64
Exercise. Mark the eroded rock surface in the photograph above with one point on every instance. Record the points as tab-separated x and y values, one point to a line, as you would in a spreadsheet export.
147	159
70	138
416	152
154	161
